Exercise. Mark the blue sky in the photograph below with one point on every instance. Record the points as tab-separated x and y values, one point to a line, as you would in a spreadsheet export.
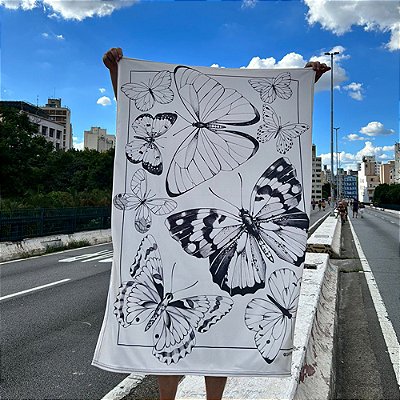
54	47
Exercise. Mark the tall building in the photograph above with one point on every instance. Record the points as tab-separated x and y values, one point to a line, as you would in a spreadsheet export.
51	130
386	172
61	115
316	187
350	190
368	180
340	182
396	175
98	139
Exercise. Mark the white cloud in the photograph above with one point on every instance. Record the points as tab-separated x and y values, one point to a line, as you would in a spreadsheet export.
249	3
376	128
294	60
349	160
102	90
76	10
77	143
104	101
339	17
355	90
52	36
353	136
15	4
216	66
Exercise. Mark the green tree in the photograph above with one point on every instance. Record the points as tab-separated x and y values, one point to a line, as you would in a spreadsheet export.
326	190
23	153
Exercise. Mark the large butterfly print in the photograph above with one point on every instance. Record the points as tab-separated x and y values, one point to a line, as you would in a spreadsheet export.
273	318
270	88
143	148
274	129
211	145
143	202
240	246
145	94
173	322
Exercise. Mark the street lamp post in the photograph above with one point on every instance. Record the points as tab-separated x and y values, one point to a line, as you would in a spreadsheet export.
337	166
331	54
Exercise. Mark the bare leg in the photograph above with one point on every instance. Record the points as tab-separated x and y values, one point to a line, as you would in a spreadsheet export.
215	386
168	384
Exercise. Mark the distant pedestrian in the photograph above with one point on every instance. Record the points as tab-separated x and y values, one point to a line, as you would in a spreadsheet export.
361	208
355	208
323	205
313	204
319	205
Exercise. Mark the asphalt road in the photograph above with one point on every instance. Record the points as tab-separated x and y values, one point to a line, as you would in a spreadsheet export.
378	232
51	310
48	336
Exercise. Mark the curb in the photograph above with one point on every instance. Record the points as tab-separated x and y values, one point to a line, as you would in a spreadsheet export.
38	246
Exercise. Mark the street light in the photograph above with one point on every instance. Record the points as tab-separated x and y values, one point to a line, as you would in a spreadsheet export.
331	54
337	166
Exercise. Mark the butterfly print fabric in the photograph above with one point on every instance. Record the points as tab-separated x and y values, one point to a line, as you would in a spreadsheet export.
212	182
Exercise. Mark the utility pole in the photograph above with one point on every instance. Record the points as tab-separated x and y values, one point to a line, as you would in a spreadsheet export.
331	54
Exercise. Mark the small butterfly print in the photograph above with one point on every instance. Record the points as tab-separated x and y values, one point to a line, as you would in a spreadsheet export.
274	129
144	148
211	145
143	202
270	88
156	90
273	318
240	245
174	322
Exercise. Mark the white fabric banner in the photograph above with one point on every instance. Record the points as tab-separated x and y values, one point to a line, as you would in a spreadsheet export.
212	186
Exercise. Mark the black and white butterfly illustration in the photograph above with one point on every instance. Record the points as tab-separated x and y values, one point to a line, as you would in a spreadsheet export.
174	322
272	319
143	202
212	145
145	94
274	129
270	88
144	148
240	245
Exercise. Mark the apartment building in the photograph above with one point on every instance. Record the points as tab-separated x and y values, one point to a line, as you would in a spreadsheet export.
51	130
98	139
368	179
316	186
62	115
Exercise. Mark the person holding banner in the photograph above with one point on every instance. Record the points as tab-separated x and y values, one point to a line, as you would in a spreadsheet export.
168	383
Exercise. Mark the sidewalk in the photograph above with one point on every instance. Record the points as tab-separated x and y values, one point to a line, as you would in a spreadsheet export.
363	367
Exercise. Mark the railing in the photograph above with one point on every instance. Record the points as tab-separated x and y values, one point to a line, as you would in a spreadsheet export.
20	224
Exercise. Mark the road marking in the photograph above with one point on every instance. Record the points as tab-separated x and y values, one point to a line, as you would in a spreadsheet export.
388	332
88	257
33	289
124	388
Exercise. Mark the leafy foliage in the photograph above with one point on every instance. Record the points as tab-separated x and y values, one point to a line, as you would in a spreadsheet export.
387	194
34	175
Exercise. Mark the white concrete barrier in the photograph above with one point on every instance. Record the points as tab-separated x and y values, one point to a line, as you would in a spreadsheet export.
326	239
38	246
313	344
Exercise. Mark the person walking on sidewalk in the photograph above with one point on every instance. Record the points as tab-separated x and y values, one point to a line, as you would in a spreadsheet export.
355	208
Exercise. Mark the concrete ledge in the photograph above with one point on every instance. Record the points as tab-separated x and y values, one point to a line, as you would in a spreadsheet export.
311	370
326	239
37	246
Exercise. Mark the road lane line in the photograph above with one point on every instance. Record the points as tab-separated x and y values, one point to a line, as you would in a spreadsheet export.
388	332
33	289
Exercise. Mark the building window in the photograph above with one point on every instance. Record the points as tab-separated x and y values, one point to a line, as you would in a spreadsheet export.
44	130
51	132
57	146
58	134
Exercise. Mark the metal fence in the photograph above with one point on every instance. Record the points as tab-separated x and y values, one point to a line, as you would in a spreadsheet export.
20	224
